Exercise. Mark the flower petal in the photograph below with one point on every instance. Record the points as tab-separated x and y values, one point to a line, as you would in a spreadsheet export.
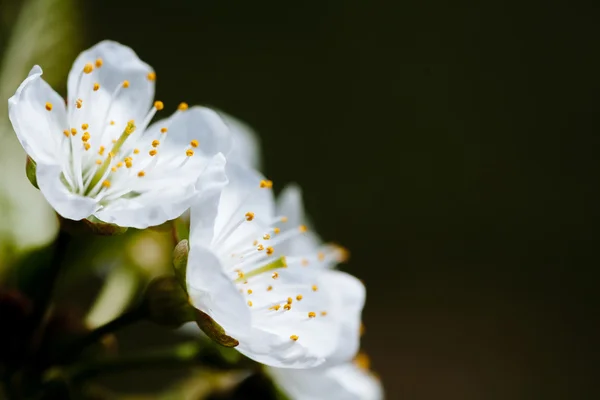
213	292
67	204
38	130
119	64
172	195
342	382
246	145
290	205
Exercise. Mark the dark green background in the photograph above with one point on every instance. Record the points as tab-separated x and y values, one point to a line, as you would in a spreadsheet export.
452	146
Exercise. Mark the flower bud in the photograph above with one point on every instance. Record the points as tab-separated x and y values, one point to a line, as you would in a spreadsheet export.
166	303
90	225
180	258
30	171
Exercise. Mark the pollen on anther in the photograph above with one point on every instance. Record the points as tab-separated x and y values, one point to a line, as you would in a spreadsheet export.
163	130
266	184
312	314
323	313
189	152
125	84
240	274
87	146
96	87
151	76
159	105
276	307
141	174
106	183
84	126
302	228
114	169
284	219
314	288
299	297
287	307
152	152
275	275
249	216
276	230
304	262
155	143
99	62
255	243
194	143
98	162
321	256
79	103
269	288
290	300
136	151
128	163
266	236
249	291
119	164
260	247
66	133
73	131
294	337
88	68
182	106
49	106
249	303
112	122
270	250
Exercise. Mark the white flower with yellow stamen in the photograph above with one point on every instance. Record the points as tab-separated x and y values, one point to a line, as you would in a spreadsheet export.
99	156
348	381
281	313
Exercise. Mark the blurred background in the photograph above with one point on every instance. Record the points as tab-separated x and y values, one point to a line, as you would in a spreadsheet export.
451	146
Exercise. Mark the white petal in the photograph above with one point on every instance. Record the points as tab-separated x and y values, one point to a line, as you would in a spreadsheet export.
38	130
290	205
67	204
342	382
213	292
119	64
347	299
196	123
169	199
246	145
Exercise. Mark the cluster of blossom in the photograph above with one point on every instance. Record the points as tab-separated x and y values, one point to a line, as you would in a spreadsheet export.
254	268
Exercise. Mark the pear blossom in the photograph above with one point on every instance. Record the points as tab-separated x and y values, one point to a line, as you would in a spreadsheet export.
283	313
99	156
348	381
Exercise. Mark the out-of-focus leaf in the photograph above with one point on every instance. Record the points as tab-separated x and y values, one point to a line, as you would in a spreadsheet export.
44	32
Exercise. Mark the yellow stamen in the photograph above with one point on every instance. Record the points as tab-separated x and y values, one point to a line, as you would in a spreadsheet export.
260	247
249	216
49	106
287	307
125	84
101	150
270	250
84	126
73	131
289	300
98	62
114	169
314	288
163	130
323	313
294	337
302	228
189	152
151	76
79	103
106	183
269	288
276	307
141	174
249	291
152	152
85	137
128	164
194	143
87	146
267	236
250	303
98	162
119	164
312	314
299	297
275	275
284	219
66	133
159	105
362	361
136	151
182	106
112	122
276	231
88	68
155	143
96	87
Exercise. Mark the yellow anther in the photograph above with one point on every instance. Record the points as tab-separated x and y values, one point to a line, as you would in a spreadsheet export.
343	254
88	68
151	76
302	228
249	216
128	163
240	274
66	133
128	159
260	247
159	105
189	152
114	169
136	151
112	122
264	184
111	154
152	152
73	131
101	150
250	303
266	236
276	230
269	288
87	146
249	291
85	137
182	106
49	106
194	143
141	174
314	288
155	143
98	62
130	128
323	313
294	337
125	84
276	307
321	256
255	243
96	87
290	300
119	164
114	140
270	250
84	126
287	307
106	183
98	162
299	297
79	103
362	361
284	219
275	275
304	262
312	314
163	130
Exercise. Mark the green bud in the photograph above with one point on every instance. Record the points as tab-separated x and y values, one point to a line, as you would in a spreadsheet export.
214	330
180	258
90	225
30	171
167	304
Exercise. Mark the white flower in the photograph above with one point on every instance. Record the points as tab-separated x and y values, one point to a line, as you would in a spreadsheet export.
98	155
282	312
348	381
245	147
